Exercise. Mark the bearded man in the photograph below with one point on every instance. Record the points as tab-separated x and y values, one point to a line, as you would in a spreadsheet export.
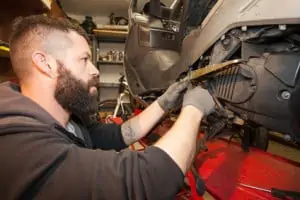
47	149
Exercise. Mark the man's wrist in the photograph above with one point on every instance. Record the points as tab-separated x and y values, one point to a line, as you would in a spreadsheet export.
193	112
161	103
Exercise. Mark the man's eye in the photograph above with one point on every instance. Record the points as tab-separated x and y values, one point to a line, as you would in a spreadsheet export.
85	59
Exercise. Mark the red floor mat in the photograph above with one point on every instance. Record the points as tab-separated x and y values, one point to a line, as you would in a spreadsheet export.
225	165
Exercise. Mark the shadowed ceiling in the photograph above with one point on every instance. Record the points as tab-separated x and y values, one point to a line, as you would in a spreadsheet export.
100	7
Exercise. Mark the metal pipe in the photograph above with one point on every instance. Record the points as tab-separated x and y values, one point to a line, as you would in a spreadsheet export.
256	188
175	4
110	33
175	7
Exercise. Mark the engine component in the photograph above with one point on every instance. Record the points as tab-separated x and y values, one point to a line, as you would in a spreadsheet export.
199	73
236	84
260	90
226	47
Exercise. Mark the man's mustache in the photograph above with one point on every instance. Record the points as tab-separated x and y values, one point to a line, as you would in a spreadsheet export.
94	82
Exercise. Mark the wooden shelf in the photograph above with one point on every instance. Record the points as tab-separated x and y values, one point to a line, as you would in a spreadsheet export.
4	52
110	34
102	62
112	27
111	85
112	40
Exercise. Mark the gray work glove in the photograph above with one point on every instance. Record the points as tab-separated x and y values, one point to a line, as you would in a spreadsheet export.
173	96
199	98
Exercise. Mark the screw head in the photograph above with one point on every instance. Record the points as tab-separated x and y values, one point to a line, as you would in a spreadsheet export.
282	27
287	138
285	95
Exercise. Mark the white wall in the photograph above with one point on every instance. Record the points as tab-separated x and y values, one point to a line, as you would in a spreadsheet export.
110	73
95	7
102	7
97	19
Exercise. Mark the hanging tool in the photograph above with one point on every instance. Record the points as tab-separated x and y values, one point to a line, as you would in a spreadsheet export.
210	69
283	194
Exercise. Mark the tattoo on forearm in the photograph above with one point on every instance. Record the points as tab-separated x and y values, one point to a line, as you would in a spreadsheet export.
128	133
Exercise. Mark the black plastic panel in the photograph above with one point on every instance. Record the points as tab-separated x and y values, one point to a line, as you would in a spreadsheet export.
261	91
236	84
285	67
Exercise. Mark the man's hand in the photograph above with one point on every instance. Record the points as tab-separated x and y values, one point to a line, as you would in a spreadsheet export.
139	126
173	96
200	99
180	141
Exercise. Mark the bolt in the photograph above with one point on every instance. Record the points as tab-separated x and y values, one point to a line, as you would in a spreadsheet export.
282	27
244	28
287	138
226	41
285	95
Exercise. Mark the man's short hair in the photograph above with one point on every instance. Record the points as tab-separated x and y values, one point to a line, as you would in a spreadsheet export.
32	30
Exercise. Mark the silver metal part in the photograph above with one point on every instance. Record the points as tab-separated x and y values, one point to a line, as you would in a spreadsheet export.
286	95
287	138
282	27
244	28
175	4
256	188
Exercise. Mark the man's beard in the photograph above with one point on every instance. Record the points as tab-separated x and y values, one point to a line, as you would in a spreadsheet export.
74	96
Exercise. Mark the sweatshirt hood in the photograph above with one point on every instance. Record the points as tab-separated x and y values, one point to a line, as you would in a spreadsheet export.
15	107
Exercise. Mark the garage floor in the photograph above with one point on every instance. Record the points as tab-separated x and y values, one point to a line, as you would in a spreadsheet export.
277	149
284	151
274	148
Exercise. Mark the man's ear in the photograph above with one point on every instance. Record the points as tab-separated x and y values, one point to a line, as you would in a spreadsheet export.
43	63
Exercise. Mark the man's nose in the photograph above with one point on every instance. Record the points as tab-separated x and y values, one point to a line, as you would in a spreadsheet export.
94	71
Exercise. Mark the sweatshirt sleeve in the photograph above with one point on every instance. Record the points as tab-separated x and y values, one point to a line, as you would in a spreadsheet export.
107	137
151	174
106	175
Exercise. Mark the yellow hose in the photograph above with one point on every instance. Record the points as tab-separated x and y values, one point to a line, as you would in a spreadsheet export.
4	51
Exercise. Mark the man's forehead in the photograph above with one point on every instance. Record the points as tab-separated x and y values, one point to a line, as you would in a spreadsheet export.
78	39
59	40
